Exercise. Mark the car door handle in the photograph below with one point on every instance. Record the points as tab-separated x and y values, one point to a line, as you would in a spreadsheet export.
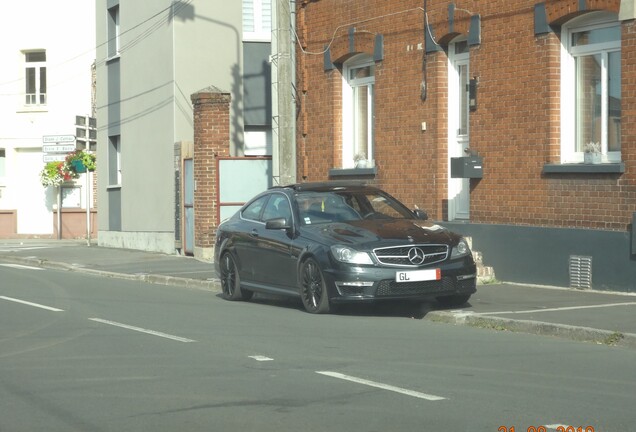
254	233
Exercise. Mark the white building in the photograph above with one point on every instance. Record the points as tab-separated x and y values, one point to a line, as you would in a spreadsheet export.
47	52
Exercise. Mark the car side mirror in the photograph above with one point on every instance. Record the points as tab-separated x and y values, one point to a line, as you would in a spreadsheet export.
420	214
277	224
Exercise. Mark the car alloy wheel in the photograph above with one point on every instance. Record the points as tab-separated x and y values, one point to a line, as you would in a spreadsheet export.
313	289
230	280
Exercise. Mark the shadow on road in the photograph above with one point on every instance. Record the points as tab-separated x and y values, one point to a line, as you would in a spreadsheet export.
396	309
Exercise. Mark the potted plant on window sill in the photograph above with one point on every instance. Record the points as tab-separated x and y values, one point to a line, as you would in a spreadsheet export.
592	153
361	161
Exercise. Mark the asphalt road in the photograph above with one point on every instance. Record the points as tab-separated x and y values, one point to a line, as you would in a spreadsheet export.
87	353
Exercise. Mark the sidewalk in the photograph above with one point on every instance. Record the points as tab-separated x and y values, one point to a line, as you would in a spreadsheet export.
600	317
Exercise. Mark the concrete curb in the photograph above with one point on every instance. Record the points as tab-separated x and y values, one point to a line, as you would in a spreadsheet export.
210	285
581	334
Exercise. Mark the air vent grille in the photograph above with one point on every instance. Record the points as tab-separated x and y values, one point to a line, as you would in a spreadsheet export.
580	272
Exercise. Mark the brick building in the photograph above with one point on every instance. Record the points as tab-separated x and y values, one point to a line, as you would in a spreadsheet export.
508	93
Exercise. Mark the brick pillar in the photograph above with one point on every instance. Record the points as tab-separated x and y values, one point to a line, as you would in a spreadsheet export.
211	140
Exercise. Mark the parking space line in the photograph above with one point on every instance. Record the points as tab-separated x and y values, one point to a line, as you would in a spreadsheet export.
381	386
142	330
557	309
15	300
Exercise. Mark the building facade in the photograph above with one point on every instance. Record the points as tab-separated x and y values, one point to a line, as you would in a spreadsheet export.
46	80
152	57
488	115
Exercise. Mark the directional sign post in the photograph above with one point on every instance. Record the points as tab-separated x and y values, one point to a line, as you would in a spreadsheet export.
54	149
56	139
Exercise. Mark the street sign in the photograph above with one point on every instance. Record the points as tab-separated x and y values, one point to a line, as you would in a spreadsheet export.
53	157
58	148
52	139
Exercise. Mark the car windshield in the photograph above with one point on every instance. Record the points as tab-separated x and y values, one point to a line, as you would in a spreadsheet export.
347	206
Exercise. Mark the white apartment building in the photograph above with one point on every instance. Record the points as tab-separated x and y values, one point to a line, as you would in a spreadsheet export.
46	80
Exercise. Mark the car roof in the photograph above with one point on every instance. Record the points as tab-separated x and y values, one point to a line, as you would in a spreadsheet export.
328	186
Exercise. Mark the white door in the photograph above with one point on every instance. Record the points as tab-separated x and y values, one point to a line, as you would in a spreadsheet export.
458	127
34	202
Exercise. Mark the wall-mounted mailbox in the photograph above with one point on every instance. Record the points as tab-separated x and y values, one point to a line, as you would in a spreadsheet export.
467	167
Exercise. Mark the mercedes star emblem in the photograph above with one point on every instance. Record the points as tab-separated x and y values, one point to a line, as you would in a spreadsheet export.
416	255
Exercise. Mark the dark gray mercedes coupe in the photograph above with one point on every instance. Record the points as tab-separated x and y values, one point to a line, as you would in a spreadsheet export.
331	243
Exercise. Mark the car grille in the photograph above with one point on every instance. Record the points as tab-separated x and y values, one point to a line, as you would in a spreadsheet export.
399	255
387	288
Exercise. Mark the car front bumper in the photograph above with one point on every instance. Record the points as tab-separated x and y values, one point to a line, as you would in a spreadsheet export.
359	284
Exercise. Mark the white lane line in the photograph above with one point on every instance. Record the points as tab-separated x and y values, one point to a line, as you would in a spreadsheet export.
261	358
18	248
381	386
20	266
558	309
142	330
15	300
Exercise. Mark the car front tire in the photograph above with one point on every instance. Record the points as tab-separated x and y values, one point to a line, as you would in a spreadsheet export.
313	289
230	280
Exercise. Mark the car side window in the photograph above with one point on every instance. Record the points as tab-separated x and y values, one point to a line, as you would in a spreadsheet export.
277	207
253	211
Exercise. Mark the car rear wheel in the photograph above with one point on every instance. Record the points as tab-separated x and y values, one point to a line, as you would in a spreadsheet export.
313	289
453	300
230	280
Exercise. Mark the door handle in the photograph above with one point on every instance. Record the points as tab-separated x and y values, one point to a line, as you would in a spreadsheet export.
254	233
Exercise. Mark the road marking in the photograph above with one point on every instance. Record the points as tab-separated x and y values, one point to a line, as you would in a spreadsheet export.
20	266
142	330
557	309
381	386
18	248
31	304
260	358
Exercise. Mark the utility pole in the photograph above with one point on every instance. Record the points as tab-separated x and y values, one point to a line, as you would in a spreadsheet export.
284	130
86	139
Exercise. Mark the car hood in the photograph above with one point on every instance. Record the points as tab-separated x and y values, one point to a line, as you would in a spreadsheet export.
373	231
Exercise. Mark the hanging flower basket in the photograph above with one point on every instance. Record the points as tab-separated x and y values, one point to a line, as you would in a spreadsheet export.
78	166
75	163
81	161
56	173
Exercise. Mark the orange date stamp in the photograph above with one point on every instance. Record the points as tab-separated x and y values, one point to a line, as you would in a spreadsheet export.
560	428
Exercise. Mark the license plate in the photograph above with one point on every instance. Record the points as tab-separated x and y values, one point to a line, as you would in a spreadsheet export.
418	275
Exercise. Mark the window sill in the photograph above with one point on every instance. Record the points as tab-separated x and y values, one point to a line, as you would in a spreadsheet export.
353	172
113	187
583	168
33	109
112	59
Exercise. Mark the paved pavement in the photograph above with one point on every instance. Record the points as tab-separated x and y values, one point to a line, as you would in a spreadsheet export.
598	317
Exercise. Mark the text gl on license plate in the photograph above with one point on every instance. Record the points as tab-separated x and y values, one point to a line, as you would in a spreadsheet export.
418	275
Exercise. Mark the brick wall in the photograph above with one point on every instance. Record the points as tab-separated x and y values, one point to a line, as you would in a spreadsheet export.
516	127
211	140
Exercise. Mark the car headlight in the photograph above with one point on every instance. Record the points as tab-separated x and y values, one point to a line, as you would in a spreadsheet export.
460	250
351	256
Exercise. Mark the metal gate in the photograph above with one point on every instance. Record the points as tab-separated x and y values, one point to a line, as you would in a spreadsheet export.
188	205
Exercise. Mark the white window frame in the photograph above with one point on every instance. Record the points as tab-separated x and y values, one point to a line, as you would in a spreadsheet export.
349	111
569	152
38	98
113	32
260	11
